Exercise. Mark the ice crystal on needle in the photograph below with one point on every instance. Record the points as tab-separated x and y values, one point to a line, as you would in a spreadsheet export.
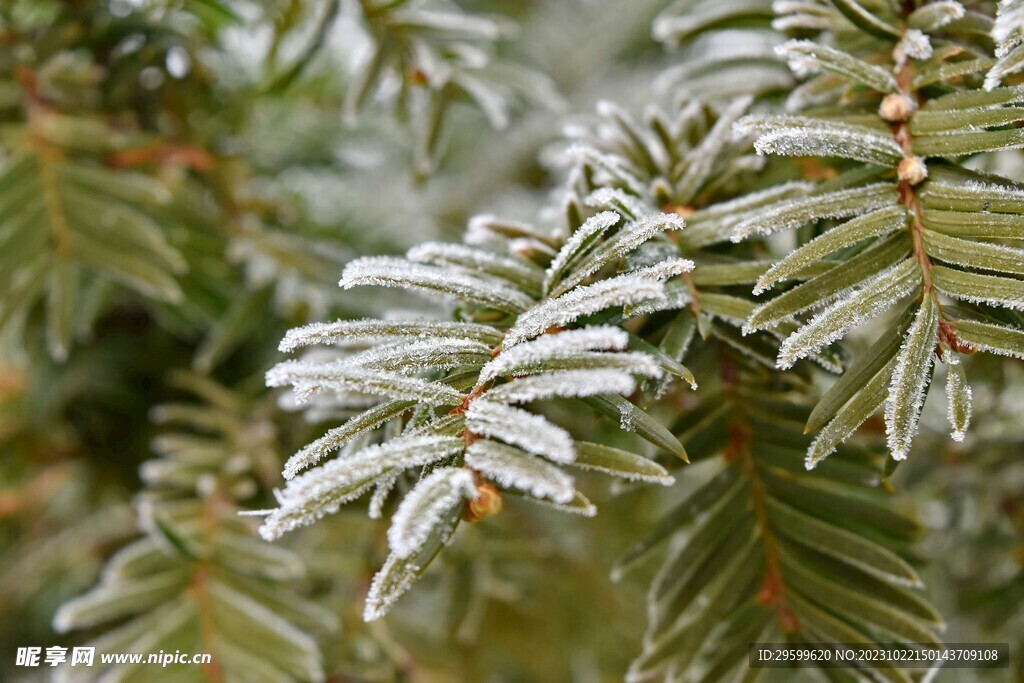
563	383
533	433
355	333
515	469
958	397
386	271
910	379
581	301
423	507
877	295
322	490
552	346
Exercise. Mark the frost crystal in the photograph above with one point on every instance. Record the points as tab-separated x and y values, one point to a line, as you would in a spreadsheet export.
595	225
307	378
417	356
561	345
613	198
958	397
347	333
387	271
586	300
322	490
426	505
394	578
441	253
563	383
795	212
339	436
871	298
914	45
910	379
512	468
626	240
532	433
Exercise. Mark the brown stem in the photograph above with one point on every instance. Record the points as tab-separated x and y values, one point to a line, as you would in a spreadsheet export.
773	590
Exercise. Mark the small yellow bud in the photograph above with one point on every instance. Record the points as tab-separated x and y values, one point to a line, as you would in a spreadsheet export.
913	170
897	107
487	503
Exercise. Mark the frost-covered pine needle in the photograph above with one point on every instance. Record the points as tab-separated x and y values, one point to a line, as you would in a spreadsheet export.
389	583
863	303
322	490
879	222
958	397
512	468
1008	34
420	355
487	228
792	213
626	240
426	505
441	253
561	345
595	225
341	435
380	496
533	433
563	383
910	378
668	268
806	57
622	290
830	141
614	198
348	333
308	377
939	13
388	271
580	153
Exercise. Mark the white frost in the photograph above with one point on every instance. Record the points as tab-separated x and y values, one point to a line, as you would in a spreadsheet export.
871	298
910	378
595	225
388	271
560	345
348	333
322	490
307	378
532	433
622	290
563	383
512	468
426	505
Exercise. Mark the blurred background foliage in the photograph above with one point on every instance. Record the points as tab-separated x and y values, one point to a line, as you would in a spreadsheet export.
183	180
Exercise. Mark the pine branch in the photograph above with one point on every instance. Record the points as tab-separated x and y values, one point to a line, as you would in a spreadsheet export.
521	339
197	573
764	552
911	128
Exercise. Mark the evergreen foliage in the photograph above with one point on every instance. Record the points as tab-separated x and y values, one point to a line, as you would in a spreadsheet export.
705	308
